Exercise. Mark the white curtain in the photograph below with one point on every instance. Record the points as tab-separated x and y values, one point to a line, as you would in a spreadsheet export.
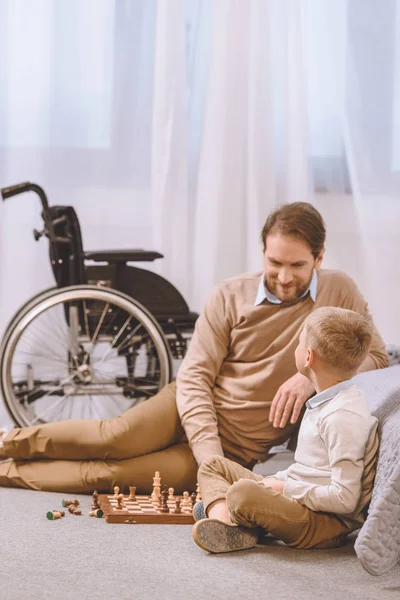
177	125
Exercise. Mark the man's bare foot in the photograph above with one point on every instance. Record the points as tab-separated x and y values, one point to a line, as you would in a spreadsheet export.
219	510
3	434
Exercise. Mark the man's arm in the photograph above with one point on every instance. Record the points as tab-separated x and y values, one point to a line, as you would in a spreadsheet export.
352	299
197	374
345	435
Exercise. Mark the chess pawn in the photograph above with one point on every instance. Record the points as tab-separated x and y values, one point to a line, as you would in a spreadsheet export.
55	514
95	503
186	500
171	494
177	510
74	510
116	491
193	498
66	503
132	493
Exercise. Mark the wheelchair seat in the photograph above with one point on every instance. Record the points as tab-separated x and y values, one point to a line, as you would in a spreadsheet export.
122	256
153	291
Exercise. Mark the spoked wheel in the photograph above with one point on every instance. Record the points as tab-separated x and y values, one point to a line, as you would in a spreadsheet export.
81	352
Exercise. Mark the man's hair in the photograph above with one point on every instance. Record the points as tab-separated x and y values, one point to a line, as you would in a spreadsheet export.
300	220
340	337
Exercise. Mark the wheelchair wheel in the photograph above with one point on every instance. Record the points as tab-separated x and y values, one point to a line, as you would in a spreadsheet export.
81	352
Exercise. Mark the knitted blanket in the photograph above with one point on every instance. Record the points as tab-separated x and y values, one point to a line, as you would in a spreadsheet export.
378	542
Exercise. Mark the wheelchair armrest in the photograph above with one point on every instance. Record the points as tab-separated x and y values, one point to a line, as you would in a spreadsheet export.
122	256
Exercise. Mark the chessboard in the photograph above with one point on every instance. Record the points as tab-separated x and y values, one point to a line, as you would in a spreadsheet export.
143	510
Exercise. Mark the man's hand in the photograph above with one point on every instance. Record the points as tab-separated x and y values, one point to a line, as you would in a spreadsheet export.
275	484
290	399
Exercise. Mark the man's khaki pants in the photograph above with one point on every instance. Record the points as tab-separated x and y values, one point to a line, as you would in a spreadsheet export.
252	504
79	456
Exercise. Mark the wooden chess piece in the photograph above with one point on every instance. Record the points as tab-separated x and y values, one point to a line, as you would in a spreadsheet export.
156	486
132	493
67	503
198	492
186	502
193	498
95	503
96	513
171	494
116	491
120	500
164	502
177	510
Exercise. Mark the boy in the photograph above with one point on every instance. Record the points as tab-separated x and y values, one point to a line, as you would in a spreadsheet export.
323	496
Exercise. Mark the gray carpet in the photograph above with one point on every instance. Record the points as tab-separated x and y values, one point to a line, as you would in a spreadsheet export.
86	558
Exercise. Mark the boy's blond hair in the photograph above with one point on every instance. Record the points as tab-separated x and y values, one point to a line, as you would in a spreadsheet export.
340	337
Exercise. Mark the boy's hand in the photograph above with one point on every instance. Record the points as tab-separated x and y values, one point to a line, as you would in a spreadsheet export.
275	484
290	399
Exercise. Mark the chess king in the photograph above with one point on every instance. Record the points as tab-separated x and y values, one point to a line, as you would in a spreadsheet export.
237	393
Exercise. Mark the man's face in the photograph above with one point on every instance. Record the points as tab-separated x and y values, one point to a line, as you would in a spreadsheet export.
288	266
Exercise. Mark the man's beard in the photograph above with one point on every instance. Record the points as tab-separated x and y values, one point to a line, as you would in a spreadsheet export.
298	289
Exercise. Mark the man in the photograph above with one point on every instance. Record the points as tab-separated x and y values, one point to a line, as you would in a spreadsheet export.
237	392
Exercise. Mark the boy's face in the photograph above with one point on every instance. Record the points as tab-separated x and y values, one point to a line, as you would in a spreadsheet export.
302	354
288	265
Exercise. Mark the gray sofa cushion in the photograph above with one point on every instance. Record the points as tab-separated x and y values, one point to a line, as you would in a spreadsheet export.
378	542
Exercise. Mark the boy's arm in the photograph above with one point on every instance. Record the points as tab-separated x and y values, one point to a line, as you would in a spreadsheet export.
345	435
197	374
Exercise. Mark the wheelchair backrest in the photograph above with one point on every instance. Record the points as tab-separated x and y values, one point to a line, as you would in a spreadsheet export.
67	258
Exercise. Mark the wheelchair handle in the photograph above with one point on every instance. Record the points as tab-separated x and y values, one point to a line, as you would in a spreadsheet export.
48	231
21	188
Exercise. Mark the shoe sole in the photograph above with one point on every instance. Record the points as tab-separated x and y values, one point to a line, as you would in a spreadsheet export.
215	536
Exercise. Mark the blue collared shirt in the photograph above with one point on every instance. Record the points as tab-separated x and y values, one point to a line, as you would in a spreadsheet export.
328	394
264	294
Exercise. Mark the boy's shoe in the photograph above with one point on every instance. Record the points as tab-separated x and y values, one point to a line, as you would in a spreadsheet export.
216	536
198	511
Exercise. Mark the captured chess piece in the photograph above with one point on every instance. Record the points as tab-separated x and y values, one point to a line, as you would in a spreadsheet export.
96	513
74	510
95	503
52	515
164	508
67	503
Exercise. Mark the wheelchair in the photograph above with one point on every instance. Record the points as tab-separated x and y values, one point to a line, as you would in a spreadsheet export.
104	339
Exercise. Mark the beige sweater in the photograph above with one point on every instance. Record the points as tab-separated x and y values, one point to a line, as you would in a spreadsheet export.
335	457
239	356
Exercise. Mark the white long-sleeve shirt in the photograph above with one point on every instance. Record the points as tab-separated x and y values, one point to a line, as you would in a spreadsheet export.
335	456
